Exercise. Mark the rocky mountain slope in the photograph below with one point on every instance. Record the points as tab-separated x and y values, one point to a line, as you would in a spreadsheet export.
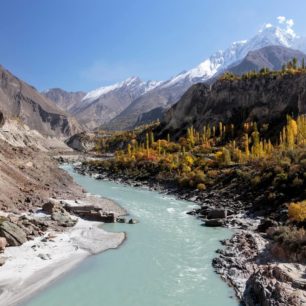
266	99
169	92
64	99
103	104
22	101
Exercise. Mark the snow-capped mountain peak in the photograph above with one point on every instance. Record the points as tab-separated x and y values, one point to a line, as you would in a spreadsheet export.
281	35
133	84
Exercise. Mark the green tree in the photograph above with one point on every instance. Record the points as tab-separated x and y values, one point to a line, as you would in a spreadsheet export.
147	141
294	63
151	138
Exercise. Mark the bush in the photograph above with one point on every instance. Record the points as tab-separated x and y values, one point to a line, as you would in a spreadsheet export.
256	180
297	182
291	238
297	211
201	187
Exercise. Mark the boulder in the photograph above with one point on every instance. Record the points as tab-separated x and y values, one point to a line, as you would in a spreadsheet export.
63	219
50	207
108	218
92	213
3	243
58	213
217	214
133	221
120	220
14	235
214	223
265	224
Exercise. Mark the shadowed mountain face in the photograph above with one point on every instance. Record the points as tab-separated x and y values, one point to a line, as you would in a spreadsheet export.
272	57
158	98
20	100
265	100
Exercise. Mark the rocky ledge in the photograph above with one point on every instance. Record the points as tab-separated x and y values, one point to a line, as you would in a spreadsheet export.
258	278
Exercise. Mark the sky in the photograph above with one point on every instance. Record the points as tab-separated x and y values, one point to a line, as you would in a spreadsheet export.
85	44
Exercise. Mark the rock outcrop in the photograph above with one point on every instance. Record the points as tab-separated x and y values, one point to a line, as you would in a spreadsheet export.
83	142
58	214
247	265
265	100
92	213
13	234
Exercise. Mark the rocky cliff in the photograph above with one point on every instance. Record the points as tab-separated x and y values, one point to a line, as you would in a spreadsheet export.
265	99
22	101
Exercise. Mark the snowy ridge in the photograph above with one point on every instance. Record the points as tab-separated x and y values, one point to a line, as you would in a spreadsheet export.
133	84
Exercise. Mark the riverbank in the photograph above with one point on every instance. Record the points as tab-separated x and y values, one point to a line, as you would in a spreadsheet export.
37	263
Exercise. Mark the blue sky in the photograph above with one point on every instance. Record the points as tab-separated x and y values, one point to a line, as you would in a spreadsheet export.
84	44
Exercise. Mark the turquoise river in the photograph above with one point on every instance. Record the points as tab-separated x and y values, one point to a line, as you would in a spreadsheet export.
165	261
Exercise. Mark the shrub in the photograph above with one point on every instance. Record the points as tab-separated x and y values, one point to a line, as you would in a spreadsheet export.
256	180
297	182
303	163
297	211
201	187
291	238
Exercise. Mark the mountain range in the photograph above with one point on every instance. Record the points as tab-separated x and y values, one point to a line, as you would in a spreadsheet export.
133	101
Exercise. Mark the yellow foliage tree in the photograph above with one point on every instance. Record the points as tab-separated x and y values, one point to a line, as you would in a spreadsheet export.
297	211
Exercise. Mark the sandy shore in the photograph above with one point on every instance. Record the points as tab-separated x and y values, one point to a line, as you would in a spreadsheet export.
36	263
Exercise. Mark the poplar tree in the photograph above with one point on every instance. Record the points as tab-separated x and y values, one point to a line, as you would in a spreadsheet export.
246	145
221	130
151	138
129	150
294	63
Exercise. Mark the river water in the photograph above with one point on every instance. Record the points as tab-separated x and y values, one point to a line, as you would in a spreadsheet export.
165	261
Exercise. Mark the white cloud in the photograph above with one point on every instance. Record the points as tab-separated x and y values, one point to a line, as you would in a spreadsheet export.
286	21
281	19
268	25
290	23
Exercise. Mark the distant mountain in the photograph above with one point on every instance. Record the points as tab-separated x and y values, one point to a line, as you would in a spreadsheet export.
272	57
101	105
64	99
20	100
169	92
